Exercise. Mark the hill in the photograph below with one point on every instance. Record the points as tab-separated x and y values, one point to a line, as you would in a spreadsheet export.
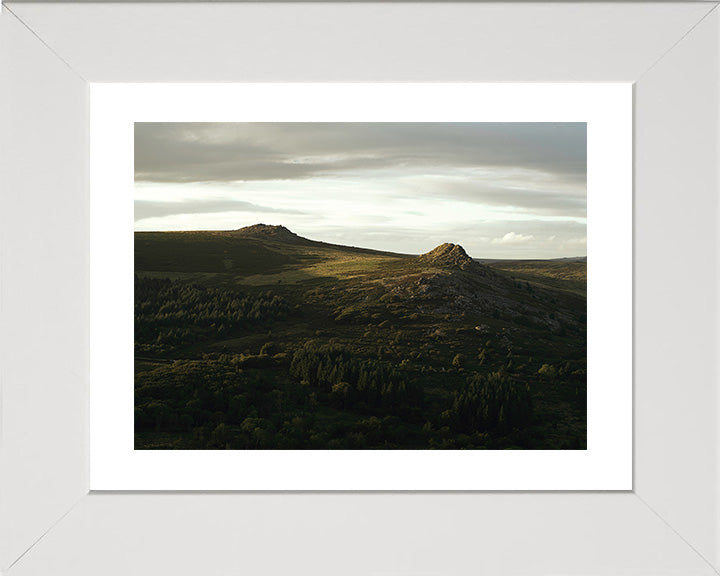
567	274
361	348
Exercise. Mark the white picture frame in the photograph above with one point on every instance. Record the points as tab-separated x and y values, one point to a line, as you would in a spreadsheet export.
49	523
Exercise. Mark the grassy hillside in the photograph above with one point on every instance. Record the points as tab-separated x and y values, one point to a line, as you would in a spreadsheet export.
562	273
258	338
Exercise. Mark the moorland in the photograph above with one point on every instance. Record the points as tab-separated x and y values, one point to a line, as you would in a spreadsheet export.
261	339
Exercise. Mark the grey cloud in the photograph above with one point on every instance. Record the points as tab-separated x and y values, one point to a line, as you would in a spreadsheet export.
540	202
544	203
156	209
221	152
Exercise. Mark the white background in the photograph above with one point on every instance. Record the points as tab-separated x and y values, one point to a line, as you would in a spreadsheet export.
605	465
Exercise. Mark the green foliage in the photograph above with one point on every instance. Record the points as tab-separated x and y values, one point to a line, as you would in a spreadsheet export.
268	348
169	314
489	403
361	384
548	371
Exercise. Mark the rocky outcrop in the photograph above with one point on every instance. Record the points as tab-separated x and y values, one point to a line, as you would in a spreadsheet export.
269	232
448	255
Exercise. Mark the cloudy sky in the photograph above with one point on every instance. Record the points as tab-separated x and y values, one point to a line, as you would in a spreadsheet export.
502	190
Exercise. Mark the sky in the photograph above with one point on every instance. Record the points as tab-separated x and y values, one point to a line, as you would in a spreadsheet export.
501	190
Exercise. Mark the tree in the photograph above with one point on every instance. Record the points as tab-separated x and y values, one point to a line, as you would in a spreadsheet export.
548	371
458	361
491	402
267	349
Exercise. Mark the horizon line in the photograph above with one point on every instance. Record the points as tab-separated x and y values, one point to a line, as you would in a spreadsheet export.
349	246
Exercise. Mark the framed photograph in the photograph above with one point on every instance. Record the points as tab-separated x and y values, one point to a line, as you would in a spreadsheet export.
363	359
442	291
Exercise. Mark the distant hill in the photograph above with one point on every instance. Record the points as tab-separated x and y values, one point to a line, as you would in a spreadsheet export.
564	273
268	232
